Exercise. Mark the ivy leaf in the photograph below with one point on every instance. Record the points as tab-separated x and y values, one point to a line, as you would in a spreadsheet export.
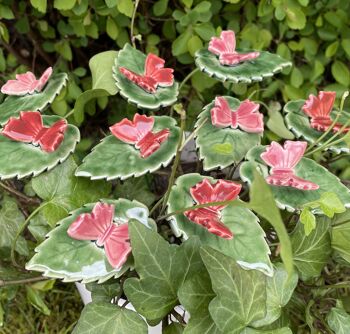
173	328
338	319
241	294
162	269
341	73
40	5
312	252
34	298
106	318
308	219
64	4
195	295
341	235
276	124
284	330
11	218
126	7
104	292
331	204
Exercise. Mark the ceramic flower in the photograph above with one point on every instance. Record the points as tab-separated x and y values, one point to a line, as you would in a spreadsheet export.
205	192
319	109
26	83
155	74
225	47
100	227
29	128
282	161
245	117
138	132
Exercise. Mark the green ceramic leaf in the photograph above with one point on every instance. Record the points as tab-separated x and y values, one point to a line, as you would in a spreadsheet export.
222	147
61	256
338	319
298	122
265	66
106	318
24	159
32	102
113	158
134	60
248	246
240	294
291	198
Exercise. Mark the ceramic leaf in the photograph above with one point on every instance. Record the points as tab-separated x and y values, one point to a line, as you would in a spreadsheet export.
61	256
134	60
12	105
264	66
298	122
291	198
222	147
113	158
25	159
248	246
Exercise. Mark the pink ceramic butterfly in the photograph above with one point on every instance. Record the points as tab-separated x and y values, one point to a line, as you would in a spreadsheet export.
29	128
205	192
99	226
26	83
225	48
138	132
155	74
319	109
282	161
246	116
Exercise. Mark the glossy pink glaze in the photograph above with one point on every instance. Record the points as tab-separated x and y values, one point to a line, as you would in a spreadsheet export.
155	74
282	161
319	109
138	132
225	48
99	226
26	83
205	192
246	117
29	128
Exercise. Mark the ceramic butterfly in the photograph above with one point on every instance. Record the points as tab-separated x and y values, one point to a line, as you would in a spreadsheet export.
155	74
319	109
100	227
282	161
225	48
138	132
209	218
29	128
246	116
26	83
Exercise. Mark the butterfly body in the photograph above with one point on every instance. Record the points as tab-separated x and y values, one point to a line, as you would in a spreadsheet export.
26	83
225	48
245	117
139	133
29	128
282	162
155	74
99	226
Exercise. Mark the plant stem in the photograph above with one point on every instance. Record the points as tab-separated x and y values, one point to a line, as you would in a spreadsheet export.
156	206
132	23
22	281
193	134
20	230
182	112
69	114
19	194
229	88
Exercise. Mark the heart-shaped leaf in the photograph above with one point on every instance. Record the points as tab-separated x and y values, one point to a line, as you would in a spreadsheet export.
113	158
291	198
264	66
221	147
338	319
12	105
248	246
60	256
24	159
299	123
134	60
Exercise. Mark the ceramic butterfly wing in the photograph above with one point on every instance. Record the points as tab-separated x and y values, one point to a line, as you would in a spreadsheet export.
221	114
248	117
52	137
151	142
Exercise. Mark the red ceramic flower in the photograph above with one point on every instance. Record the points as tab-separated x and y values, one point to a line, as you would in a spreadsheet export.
282	161
28	128
225	48
138	132
26	83
99	226
154	74
319	109
205	192
246	116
